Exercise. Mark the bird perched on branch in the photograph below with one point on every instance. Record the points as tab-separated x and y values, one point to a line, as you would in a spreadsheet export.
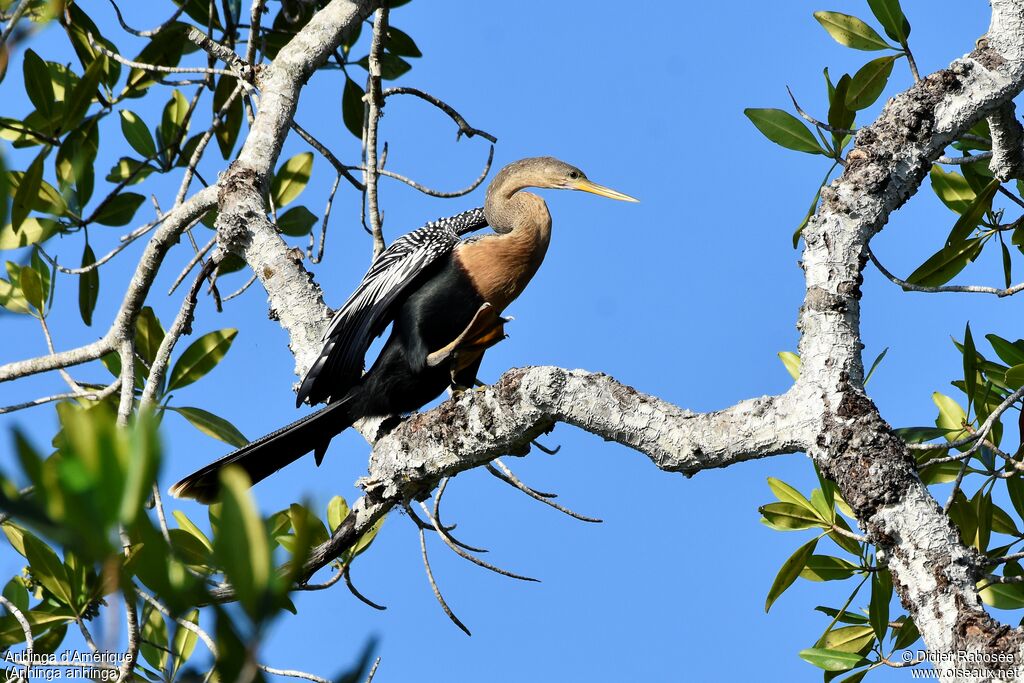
444	296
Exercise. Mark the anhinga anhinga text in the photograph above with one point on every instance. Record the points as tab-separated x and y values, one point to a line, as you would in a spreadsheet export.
444	296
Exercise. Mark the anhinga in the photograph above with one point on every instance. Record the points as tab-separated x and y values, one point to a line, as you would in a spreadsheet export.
444	295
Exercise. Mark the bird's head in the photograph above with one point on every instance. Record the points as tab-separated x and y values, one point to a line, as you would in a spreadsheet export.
552	173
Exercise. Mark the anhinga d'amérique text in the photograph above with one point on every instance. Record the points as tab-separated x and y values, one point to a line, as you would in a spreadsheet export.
444	296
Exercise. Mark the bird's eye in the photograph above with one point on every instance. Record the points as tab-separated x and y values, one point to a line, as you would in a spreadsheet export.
574	174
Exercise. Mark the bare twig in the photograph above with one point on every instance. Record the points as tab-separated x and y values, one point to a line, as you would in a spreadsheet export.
346	572
26	628
192	264
151	32
292	673
433	586
86	394
505	474
468	556
99	47
439	193
964	289
464	128
341	168
374	102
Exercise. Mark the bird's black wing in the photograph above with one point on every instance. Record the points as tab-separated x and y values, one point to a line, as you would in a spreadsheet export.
371	307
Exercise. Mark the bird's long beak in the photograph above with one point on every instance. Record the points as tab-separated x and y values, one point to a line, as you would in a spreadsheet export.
594	188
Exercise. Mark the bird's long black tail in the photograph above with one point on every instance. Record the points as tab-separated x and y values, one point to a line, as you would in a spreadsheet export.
268	454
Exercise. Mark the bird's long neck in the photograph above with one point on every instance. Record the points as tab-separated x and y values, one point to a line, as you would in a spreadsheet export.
501	265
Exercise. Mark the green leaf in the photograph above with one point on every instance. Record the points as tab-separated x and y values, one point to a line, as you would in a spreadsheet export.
789	516
784	129
840	117
337	511
1003	595
787	494
874	365
27	191
212	425
290	180
241	545
120	210
970	355
952	188
296	221
1007	265
790	570
149	334
184	643
391	66
1015	377
131	170
946	263
172	126
154	638
828	568
88	286
76	159
141	468
890	16
32	288
869	82
831	660
400	43
47	569
352	111
792	363
1011	353
881	596
77	105
847	639
952	417
970	218
137	134
850	31
200	357
37	83
231	123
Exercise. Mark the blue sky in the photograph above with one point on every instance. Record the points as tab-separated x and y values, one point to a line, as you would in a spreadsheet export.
688	295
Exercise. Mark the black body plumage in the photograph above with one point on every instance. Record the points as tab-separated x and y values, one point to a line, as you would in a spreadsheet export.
415	284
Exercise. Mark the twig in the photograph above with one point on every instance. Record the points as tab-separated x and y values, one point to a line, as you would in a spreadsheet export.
151	32
182	325
26	628
18	13
131	655
292	673
91	396
967	289
469	556
373	670
815	122
966	159
433	586
241	290
510	478
374	101
437	519
239	67
341	168
849	534
126	351
197	153
464	128
255	16
438	193
352	589
974	438
192	264
72	384
155	67
323	225
184	623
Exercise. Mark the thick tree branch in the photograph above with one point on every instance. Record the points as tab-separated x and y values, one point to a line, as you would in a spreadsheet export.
934	574
1007	143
